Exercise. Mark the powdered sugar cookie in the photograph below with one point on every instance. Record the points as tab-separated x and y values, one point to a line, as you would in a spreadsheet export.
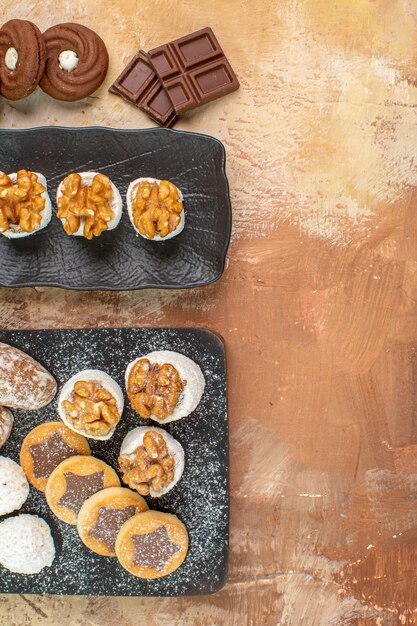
26	544
14	488
74	481
91	403
6	424
164	386
151	461
152	544
45	447
101	517
155	208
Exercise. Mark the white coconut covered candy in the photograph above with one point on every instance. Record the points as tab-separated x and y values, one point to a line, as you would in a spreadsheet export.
130	198
14	487
26	544
116	202
95	376
15	232
189	372
134	439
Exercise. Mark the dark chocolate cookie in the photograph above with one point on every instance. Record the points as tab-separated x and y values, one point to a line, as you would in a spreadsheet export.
22	58
76	62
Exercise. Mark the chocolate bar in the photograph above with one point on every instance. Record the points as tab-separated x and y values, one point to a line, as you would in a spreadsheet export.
139	85
193	70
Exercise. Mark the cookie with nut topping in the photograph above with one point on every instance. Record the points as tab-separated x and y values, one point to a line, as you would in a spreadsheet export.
25	206
151	461
88	204
164	386
91	403
155	208
22	58
76	62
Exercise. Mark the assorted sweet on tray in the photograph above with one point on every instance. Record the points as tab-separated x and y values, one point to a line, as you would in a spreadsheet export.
68	61
25	207
81	490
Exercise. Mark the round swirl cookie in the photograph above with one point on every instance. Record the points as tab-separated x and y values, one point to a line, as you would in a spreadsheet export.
45	447
26	544
25	206
76	62
22	58
74	481
14	488
24	383
101	517
164	386
152	544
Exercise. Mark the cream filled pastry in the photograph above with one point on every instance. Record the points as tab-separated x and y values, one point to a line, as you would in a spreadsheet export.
151	461
155	208
88	204
164	386
91	403
25	206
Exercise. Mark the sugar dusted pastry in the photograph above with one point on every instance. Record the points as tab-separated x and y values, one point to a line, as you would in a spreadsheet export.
88	204
155	208
6	424
151	461
45	447
164	386
25	207
26	544
91	403
24	383
14	488
152	544
101	517
74	481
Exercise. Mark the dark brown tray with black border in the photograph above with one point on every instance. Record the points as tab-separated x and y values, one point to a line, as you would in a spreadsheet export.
119	259
200	499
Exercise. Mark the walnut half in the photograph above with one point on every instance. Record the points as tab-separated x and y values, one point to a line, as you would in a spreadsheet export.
151	465
154	389
21	203
92	408
157	208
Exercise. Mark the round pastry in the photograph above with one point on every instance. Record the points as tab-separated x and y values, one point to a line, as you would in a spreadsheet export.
151	461
45	447
164	386
155	208
88	204
14	488
101	517
26	544
25	206
6	424
152	544
22	58
24	383
91	403
74	481
76	62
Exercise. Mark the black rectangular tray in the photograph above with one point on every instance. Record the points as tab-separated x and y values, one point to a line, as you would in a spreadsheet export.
201	497
119	259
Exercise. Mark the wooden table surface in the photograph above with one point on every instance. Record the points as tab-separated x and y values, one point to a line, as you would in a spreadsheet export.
317	305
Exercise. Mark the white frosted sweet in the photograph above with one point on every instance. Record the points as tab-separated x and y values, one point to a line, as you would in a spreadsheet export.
11	58
26	544
14	488
15	232
134	439
68	60
116	202
188	370
105	381
130	197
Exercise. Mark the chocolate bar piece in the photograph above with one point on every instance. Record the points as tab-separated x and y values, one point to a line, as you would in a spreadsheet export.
139	85
193	70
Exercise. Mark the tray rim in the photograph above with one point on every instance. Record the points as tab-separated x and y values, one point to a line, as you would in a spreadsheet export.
222	342
149	285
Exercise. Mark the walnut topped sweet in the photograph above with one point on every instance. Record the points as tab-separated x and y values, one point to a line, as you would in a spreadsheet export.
25	207
88	204
155	208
